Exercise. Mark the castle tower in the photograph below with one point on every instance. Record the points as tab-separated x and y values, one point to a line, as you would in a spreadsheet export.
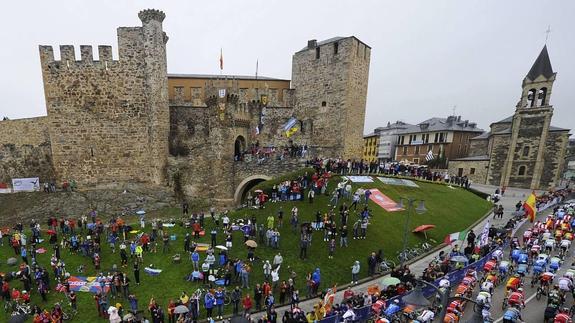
108	119
330	80
526	157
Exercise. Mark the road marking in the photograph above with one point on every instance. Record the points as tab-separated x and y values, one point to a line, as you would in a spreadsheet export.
526	301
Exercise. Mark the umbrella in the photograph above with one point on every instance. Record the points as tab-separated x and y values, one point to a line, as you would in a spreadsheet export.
141	212
221	247
459	259
423	228
180	309
251	244
390	281
128	317
51	232
258	191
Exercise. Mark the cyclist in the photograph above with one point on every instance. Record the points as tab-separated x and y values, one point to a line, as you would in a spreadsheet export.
484	297
545	279
490	265
512	315
504	268
513	283
392	309
539	266
487	286
517	298
554	264
546	235
486	313
535	249
522	258
555	296
426	316
565	284
563	316
564	244
498	254
515	254
549	244
526	236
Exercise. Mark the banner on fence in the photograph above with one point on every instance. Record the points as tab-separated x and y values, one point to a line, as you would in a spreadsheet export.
26	184
359	179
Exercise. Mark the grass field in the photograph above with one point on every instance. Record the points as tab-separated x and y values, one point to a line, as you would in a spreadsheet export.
450	209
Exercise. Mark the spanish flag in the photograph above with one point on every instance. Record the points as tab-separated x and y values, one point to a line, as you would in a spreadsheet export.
529	207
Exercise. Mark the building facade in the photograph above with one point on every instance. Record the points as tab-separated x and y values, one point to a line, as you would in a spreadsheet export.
447	138
112	121
388	139
523	150
370	147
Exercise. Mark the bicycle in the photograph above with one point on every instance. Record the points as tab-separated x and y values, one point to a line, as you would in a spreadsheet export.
386	265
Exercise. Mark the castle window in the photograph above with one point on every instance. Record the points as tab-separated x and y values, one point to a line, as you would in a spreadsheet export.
525	151
416	160
335	48
521	171
541	96
317	53
471	171
531	97
323	103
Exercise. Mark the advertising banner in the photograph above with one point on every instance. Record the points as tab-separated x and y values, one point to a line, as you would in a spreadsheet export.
86	284
397	181
26	184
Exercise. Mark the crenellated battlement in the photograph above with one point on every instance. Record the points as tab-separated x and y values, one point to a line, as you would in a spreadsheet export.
68	56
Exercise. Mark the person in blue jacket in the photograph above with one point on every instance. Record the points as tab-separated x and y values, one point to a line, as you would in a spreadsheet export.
209	302
316	278
196	260
220	296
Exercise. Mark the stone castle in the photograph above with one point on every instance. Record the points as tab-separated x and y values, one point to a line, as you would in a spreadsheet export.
523	150
113	121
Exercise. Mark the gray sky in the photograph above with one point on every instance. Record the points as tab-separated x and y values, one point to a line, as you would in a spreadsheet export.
427	56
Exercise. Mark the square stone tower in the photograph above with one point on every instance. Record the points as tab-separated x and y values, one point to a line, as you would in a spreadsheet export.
330	80
535	150
108	119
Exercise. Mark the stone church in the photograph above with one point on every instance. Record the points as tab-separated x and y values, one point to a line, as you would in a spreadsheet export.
523	150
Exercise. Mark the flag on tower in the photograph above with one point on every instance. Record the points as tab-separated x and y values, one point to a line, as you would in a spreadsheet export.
530	208
221	59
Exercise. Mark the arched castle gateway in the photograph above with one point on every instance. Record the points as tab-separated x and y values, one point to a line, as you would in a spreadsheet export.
117	120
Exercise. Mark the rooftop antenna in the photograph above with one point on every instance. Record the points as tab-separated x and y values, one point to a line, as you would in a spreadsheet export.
548	31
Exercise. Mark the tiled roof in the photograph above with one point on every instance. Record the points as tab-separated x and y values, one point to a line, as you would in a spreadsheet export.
441	124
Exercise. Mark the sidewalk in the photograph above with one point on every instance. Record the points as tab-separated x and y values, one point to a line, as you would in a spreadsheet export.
511	197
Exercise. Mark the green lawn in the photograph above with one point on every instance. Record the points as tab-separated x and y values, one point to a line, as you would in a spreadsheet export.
449	209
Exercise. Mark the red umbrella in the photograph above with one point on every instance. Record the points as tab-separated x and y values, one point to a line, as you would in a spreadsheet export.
51	232
423	228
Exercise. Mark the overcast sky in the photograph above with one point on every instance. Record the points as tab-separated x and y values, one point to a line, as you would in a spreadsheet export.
427	56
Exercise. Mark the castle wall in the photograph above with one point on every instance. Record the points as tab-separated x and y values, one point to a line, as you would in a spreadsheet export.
478	147
331	92
108	119
478	167
25	149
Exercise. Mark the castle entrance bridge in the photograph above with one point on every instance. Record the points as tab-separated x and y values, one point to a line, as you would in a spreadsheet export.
249	173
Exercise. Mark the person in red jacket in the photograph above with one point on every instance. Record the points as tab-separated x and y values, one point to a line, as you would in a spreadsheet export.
563	316
247	304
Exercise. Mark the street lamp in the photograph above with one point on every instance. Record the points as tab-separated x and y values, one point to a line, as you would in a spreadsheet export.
410	205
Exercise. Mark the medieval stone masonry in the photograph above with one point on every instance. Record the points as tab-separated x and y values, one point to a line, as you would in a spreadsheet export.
116	120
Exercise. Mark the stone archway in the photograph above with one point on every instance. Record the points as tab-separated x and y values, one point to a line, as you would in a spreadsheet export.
239	147
246	184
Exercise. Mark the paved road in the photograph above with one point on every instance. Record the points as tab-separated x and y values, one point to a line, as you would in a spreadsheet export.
534	310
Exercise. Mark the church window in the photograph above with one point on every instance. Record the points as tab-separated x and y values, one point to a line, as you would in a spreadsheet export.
323	103
525	151
335	48
531	97
317	52
541	97
521	171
